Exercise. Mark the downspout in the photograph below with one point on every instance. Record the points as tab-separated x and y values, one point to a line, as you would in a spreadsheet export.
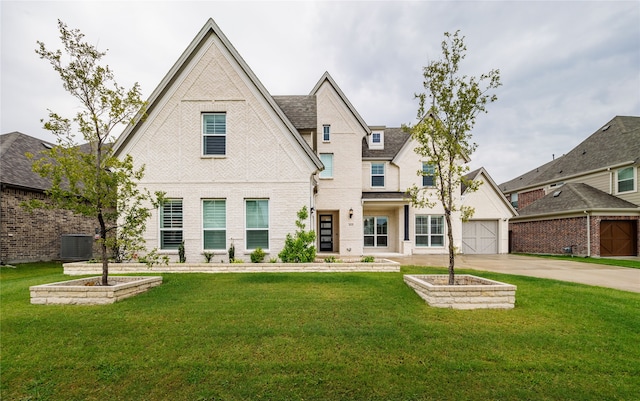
588	233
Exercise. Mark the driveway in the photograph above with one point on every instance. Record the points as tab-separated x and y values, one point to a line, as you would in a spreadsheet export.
620	278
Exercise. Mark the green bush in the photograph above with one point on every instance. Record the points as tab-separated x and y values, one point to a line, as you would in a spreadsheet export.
232	253
368	259
208	256
299	248
181	253
257	255
330	259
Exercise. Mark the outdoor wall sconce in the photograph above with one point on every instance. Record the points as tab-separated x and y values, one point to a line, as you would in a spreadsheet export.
351	213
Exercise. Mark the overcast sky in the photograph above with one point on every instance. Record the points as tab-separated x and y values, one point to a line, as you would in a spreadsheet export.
567	68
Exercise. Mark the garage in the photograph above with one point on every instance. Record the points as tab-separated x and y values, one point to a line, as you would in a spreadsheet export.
618	238
480	237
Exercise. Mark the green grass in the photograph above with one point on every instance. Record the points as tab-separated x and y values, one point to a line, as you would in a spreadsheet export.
358	336
599	261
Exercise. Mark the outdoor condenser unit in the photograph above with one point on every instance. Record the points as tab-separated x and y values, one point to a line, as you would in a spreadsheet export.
76	247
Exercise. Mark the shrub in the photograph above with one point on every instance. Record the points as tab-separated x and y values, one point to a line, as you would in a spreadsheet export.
257	255
273	260
299	248
330	259
232	253
153	258
181	253
208	256
368	259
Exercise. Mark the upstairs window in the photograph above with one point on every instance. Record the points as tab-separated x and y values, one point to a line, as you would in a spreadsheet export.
375	138
428	172
171	224
327	160
514	200
377	174
214	224
257	221
214	134
326	133
626	179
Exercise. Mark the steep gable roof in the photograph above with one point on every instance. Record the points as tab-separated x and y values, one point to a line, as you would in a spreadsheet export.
473	175
327	78
209	29
615	143
575	197
15	167
302	111
394	140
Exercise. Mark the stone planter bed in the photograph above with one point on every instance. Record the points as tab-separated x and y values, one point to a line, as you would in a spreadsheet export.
88	291
383	265
469	292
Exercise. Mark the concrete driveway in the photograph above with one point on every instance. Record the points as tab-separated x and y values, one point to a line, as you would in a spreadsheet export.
620	278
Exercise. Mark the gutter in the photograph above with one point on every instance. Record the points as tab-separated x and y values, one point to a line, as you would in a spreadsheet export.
576	213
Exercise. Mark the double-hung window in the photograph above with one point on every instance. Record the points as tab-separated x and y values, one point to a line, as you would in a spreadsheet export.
327	160
428	172
171	224
376	230
326	133
214	134
214	224
257	223
625	179
377	174
429	231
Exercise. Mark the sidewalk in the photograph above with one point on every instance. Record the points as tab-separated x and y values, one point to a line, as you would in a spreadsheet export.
620	278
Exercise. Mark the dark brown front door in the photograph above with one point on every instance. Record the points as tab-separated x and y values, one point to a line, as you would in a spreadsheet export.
326	233
618	238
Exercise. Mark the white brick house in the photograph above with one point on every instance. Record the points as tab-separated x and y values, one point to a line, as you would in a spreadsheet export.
237	164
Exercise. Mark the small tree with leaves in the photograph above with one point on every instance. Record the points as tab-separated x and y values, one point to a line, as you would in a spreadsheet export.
89	179
446	115
299	248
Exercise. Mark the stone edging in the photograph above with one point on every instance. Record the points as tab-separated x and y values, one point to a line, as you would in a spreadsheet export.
472	292
81	268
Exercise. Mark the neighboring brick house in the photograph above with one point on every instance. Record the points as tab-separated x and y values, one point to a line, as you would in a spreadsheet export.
237	164
586	202
35	236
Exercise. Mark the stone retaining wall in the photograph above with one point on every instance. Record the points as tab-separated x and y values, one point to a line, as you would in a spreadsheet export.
81	268
85	291
470	292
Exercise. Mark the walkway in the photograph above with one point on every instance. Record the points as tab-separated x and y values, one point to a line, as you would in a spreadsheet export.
621	278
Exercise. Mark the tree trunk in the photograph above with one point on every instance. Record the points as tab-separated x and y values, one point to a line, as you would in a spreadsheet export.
103	247
452	248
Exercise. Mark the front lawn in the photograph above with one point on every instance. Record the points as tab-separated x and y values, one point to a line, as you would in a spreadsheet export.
317	336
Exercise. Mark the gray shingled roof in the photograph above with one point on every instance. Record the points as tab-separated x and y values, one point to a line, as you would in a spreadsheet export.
572	197
300	110
618	141
15	167
385	195
394	139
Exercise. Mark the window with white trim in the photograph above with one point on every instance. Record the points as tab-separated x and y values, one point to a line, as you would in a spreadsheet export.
376	230
326	133
625	178
257	223
214	224
428	171
376	137
514	200
327	160
171	224
429	231
214	134
377	174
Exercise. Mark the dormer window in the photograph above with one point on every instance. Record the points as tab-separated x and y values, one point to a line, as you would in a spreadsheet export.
376	140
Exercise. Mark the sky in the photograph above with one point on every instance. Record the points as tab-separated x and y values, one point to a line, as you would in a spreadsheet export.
566	68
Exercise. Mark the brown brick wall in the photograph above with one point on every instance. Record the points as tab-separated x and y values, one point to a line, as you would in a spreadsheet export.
527	198
36	236
550	236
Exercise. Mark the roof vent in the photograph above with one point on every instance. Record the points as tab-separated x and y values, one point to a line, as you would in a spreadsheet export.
606	128
557	193
47	145
584	152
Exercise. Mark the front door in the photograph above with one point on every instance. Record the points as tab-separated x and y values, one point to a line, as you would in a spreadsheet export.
326	233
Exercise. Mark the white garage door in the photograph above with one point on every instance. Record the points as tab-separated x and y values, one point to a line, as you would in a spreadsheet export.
480	237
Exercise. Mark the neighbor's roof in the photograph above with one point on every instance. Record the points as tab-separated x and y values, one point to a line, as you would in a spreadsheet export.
572	197
394	140
615	143
15	167
301	110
